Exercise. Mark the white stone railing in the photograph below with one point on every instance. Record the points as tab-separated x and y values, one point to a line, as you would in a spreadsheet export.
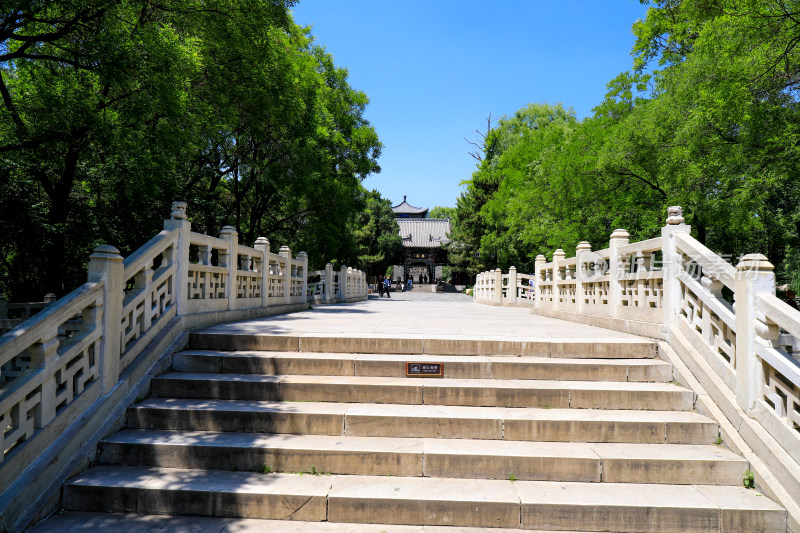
676	289
330	289
76	350
495	288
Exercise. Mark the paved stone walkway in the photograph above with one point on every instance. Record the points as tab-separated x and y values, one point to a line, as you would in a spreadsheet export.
414	315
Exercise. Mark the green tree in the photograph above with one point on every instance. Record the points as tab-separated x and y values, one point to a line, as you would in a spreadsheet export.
377	234
441	212
112	110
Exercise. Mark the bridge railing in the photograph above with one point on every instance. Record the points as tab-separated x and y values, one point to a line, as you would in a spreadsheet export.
76	350
676	289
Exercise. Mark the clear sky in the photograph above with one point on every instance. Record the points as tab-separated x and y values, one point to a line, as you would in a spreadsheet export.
435	70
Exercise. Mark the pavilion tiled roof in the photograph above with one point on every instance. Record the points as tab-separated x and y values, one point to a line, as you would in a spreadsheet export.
407	209
424	232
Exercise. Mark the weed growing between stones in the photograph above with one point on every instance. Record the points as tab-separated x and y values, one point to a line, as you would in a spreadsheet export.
748	479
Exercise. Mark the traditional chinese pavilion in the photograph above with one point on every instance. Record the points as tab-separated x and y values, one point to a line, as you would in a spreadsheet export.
423	253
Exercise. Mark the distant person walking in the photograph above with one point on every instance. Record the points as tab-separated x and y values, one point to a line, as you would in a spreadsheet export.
387	286
380	286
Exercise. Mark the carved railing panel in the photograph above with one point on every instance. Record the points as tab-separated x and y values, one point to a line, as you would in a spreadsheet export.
151	302
51	360
779	331
51	373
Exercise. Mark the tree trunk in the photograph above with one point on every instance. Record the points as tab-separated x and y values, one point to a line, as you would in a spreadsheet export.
59	195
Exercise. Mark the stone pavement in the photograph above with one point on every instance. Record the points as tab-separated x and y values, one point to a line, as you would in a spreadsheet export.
416	314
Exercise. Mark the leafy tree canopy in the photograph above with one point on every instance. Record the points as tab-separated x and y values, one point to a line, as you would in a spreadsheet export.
707	118
112	110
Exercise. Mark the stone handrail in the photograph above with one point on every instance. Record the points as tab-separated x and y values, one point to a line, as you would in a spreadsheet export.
85	347
725	322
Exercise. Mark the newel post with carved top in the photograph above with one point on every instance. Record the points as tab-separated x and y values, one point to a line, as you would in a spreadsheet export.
180	254
558	259
671	263
329	296
262	245
106	267
617	268
229	259
754	275
303	273
539	266
581	274
511	290
286	253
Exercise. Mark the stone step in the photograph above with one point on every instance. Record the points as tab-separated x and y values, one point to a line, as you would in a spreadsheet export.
378	420
608	348
464	367
431	391
80	522
432	501
447	458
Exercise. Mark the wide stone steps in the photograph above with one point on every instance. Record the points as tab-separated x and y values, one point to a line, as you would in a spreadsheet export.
416	457
383	365
432	421
327	433
247	339
539	505
443	391
80	522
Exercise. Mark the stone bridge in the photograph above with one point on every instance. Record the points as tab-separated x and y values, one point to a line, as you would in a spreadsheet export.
644	387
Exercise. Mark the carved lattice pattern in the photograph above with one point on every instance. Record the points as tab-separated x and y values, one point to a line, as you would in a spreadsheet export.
206	285
717	334
141	312
566	292
52	371
248	285
596	292
783	396
643	293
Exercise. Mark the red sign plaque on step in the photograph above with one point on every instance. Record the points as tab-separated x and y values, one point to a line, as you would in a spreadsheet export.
424	370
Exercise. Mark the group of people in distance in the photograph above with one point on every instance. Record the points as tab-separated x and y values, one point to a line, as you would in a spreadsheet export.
385	284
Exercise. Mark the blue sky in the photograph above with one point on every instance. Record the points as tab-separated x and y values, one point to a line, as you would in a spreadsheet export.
435	70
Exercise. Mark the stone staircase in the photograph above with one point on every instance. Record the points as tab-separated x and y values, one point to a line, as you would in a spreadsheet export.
595	437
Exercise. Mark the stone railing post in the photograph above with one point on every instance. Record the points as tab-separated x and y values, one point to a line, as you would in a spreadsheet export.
341	294
303	258
498	286
512	285
754	275
106	267
349	277
262	245
329	282
581	275
286	253
229	260
671	263
538	271
177	221
616	267
558	258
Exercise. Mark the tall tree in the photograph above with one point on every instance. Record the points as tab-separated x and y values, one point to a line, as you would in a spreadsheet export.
111	110
377	234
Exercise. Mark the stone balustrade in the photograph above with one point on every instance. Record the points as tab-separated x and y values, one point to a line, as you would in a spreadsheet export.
75	351
328	288
725	321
